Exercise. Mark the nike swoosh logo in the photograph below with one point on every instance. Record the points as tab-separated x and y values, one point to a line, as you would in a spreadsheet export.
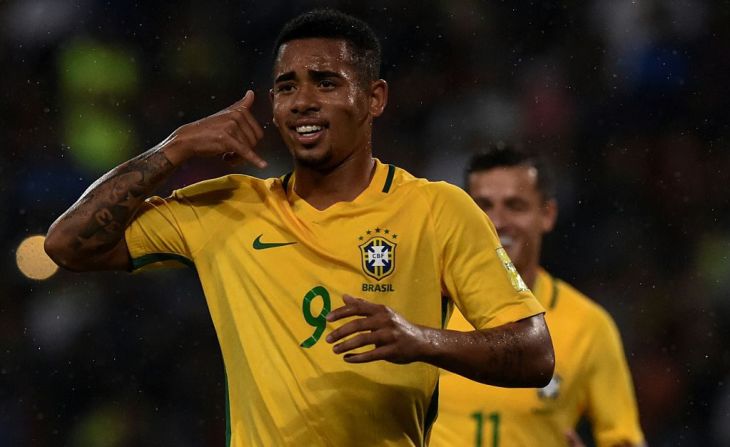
258	245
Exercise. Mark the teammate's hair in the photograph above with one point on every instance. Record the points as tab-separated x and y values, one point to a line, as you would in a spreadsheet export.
503	155
332	24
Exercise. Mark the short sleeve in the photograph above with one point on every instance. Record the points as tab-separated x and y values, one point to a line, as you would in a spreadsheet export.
161	232
476	273
611	402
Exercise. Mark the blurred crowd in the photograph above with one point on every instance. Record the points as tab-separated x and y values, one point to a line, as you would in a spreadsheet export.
627	98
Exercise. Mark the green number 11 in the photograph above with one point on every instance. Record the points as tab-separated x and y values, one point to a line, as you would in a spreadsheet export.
317	322
494	419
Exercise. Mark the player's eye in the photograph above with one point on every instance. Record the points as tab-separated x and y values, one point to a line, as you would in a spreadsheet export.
518	205
326	83
283	88
484	204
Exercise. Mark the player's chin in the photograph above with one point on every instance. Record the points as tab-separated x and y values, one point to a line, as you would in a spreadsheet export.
513	251
314	158
517	255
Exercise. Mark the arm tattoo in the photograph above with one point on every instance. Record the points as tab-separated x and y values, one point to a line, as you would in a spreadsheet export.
107	207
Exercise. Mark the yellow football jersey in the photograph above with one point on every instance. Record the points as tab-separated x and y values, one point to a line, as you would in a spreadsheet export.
591	377
272	266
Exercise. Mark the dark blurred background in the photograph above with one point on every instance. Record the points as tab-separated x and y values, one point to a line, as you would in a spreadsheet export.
629	99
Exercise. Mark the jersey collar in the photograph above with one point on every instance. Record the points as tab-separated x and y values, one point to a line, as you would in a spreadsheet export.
379	184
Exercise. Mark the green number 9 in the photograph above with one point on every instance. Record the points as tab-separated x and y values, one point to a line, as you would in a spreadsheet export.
319	322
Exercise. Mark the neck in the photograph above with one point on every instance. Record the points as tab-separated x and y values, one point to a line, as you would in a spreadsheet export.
341	183
529	275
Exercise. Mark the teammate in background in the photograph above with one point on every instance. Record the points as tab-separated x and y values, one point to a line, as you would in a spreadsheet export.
591	375
280	259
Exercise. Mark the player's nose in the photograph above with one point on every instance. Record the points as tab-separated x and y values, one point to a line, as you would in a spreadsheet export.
497	216
305	100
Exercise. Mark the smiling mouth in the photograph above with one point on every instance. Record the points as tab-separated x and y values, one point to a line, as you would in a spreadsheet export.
308	130
309	135
506	241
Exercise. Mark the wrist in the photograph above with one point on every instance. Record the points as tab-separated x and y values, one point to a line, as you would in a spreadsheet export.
429	344
173	150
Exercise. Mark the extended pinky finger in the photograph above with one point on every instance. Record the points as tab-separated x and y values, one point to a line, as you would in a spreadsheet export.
251	156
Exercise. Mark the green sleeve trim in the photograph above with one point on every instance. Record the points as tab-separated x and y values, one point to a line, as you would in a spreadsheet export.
389	178
151	258
431	413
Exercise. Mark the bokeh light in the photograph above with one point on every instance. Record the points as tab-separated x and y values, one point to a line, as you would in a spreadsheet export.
90	69
33	261
98	80
99	139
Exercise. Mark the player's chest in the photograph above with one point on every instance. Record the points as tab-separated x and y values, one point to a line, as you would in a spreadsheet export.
370	254
295	271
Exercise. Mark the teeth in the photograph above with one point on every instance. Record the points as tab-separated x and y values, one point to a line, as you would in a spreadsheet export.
308	129
506	240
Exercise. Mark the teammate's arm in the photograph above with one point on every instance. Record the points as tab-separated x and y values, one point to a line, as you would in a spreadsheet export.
90	234
518	354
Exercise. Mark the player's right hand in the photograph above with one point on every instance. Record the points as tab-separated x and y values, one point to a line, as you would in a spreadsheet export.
231	133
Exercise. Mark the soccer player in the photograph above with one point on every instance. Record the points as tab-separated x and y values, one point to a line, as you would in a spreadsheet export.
591	376
282	260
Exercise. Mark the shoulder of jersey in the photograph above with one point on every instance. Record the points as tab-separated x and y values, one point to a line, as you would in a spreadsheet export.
403	178
580	304
406	181
224	187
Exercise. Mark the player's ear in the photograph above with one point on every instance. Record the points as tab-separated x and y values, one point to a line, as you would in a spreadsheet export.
271	99
549	215
378	97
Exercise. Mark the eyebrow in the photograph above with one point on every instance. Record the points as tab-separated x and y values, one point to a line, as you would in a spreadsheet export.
323	74
314	74
288	76
514	200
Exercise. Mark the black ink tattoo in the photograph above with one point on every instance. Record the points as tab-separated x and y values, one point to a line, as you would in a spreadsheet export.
110	204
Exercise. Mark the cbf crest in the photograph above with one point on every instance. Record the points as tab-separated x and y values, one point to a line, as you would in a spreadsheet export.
378	253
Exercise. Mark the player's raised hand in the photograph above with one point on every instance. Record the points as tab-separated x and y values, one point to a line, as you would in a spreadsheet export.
395	339
231	133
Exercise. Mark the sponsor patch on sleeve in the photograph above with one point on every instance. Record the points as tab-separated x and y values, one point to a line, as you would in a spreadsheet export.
514	276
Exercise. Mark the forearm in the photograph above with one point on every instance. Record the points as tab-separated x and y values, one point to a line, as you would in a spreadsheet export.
517	354
90	234
95	224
